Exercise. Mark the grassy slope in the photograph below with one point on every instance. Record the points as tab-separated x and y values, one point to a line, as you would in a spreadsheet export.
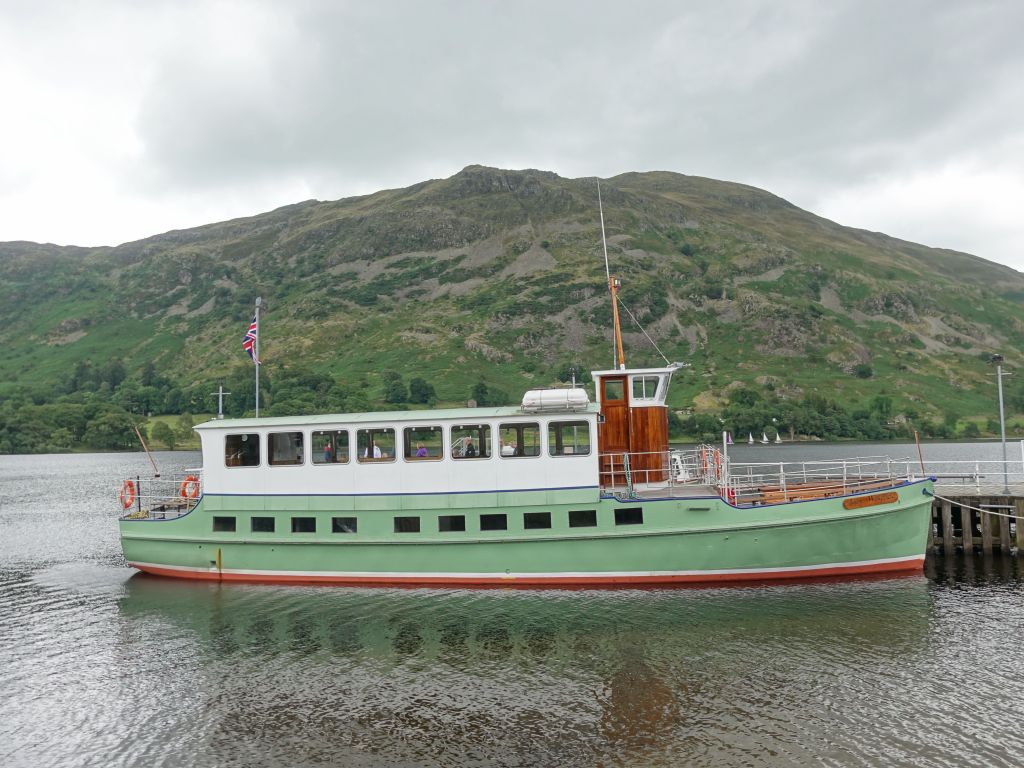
499	274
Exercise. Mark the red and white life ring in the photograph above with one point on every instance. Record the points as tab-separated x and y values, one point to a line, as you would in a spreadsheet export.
127	494
190	487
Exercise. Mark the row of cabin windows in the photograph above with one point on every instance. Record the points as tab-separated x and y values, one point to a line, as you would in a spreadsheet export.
429	443
578	518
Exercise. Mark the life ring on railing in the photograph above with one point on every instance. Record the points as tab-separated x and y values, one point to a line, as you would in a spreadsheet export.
190	487
127	494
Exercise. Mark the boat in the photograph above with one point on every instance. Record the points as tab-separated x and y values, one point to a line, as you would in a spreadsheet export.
560	490
750	438
764	439
728	438
778	438
557	491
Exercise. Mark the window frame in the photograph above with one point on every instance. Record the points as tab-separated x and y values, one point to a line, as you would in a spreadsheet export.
559	426
536	517
301	450
519	428
493	516
336	525
317	436
483	441
294	520
254	518
220	521
370	432
407	443
244	438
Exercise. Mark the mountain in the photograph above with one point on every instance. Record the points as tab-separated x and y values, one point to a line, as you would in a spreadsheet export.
498	277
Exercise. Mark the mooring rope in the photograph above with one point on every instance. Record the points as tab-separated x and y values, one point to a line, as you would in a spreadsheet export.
976	509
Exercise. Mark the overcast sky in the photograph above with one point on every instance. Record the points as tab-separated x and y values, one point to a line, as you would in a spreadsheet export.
122	120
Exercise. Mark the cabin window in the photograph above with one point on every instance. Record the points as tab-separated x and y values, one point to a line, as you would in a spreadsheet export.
645	387
261	525
242	450
303	525
344	525
407	525
629	516
330	446
224	524
471	441
569	438
375	445
519	440
582	518
451	523
284	448
614	389
423	443
533	520
493	523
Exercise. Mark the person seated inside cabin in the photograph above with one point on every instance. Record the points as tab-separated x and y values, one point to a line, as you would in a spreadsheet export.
508	449
468	448
376	452
328	453
421	452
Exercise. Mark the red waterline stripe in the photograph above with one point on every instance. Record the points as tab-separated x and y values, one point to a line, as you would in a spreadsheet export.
915	564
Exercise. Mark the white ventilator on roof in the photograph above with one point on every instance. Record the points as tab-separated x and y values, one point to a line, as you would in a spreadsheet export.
555	400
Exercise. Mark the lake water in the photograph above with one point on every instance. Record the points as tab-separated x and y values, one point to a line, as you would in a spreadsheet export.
100	666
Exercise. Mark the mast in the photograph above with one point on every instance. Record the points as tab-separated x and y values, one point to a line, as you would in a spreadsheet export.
618	358
256	354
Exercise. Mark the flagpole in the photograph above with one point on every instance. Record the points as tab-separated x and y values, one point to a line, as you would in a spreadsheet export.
256	354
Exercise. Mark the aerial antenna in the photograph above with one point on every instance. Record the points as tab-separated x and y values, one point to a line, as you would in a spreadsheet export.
618	358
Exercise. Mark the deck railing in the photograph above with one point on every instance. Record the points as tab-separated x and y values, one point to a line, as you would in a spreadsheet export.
747	483
160	498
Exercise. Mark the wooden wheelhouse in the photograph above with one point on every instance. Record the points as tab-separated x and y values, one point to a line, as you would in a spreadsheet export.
632	434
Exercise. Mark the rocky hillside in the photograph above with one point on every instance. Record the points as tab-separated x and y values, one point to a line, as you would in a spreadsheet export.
498	276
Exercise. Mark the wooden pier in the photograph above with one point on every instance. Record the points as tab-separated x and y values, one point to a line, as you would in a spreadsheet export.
955	526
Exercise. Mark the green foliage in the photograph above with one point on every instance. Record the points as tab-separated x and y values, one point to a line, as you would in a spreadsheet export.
163	434
449	274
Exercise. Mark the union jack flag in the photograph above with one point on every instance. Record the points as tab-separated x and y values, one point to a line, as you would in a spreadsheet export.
249	342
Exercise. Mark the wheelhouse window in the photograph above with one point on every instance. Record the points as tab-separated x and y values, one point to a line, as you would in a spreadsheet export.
423	443
645	388
375	445
471	441
519	440
303	525
284	448
614	389
330	446
242	450
569	438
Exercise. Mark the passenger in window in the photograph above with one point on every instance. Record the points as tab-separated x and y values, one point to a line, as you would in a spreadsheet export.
509	449
468	449
376	452
421	452
328	452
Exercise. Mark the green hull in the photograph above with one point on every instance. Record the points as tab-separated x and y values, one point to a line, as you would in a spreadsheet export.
678	540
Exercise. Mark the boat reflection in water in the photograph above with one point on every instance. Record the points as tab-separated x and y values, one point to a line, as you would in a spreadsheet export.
297	675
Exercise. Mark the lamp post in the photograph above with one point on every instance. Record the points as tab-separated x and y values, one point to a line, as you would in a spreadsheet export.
997	361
